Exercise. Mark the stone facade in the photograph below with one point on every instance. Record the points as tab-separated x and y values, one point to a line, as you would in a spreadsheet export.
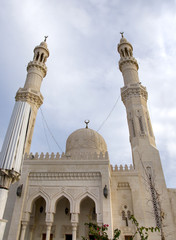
57	194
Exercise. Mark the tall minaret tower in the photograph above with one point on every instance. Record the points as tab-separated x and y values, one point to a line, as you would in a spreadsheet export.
134	97
19	133
146	157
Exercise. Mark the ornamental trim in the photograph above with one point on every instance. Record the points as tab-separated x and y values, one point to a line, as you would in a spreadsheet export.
38	65
64	176
29	96
133	91
128	60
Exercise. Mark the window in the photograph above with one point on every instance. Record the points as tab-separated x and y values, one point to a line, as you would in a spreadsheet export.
37	57
128	237
41	58
122	53
44	236
68	236
126	52
141	125
133	129
91	237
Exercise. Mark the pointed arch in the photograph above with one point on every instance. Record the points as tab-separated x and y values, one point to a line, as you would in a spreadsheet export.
83	196
41	57
37	56
34	197
126	52
59	196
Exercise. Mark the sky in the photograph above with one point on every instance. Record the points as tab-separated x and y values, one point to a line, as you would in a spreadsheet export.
83	79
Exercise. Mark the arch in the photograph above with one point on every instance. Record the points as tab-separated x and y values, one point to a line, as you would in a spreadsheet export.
59	196
122	53
82	197
131	54
37	57
34	197
126	52
41	57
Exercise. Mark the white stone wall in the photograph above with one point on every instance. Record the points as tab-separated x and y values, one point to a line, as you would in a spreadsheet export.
54	179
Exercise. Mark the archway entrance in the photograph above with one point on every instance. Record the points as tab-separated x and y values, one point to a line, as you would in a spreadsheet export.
87	214
62	220
37	225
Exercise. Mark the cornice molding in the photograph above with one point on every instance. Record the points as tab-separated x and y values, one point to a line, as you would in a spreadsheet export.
134	90
38	65
128	61
30	96
64	176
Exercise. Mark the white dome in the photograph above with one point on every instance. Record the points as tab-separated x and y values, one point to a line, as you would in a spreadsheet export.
85	140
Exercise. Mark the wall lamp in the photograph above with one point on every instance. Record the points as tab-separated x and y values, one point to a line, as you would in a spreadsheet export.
105	191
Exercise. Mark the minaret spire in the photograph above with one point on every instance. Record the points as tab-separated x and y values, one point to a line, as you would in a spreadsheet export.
19	133
134	96
145	155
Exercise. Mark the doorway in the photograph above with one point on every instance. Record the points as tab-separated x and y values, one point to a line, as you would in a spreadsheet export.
68	236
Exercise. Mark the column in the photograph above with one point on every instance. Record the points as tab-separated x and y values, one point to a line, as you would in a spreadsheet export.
74	222
23	230
48	230
31	231
49	222
74	229
3	197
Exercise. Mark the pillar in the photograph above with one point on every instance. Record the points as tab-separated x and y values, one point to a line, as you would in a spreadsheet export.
31	231
23	230
48	230
74	222
74	230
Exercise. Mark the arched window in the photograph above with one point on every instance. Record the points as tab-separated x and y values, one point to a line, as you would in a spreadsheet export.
123	215
122	53
141	125
37	57
41	58
126	52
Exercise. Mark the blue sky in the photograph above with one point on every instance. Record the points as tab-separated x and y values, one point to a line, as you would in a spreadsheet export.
83	80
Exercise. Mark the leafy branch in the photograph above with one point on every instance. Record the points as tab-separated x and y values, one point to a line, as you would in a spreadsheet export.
99	232
141	230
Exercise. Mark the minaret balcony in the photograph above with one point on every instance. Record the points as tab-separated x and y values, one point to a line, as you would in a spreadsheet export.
134	90
39	65
29	95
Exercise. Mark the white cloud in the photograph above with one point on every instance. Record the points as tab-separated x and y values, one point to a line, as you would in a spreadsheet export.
83	79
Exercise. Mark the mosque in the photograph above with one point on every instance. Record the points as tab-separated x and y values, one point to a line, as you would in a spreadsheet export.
51	196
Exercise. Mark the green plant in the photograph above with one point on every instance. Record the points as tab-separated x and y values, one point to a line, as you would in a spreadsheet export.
141	230
99	232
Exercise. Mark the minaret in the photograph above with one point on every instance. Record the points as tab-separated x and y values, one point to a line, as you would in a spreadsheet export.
20	130
134	96
146	159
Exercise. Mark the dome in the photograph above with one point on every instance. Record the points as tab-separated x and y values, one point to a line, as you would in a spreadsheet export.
85	140
44	44
123	40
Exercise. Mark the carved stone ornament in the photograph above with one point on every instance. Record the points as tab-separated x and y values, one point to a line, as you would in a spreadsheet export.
133	91
65	175
128	60
7	177
29	96
39	65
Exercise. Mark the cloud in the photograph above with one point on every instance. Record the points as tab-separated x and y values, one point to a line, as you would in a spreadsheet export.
83	79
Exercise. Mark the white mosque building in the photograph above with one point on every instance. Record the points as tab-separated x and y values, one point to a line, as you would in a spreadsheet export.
51	196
